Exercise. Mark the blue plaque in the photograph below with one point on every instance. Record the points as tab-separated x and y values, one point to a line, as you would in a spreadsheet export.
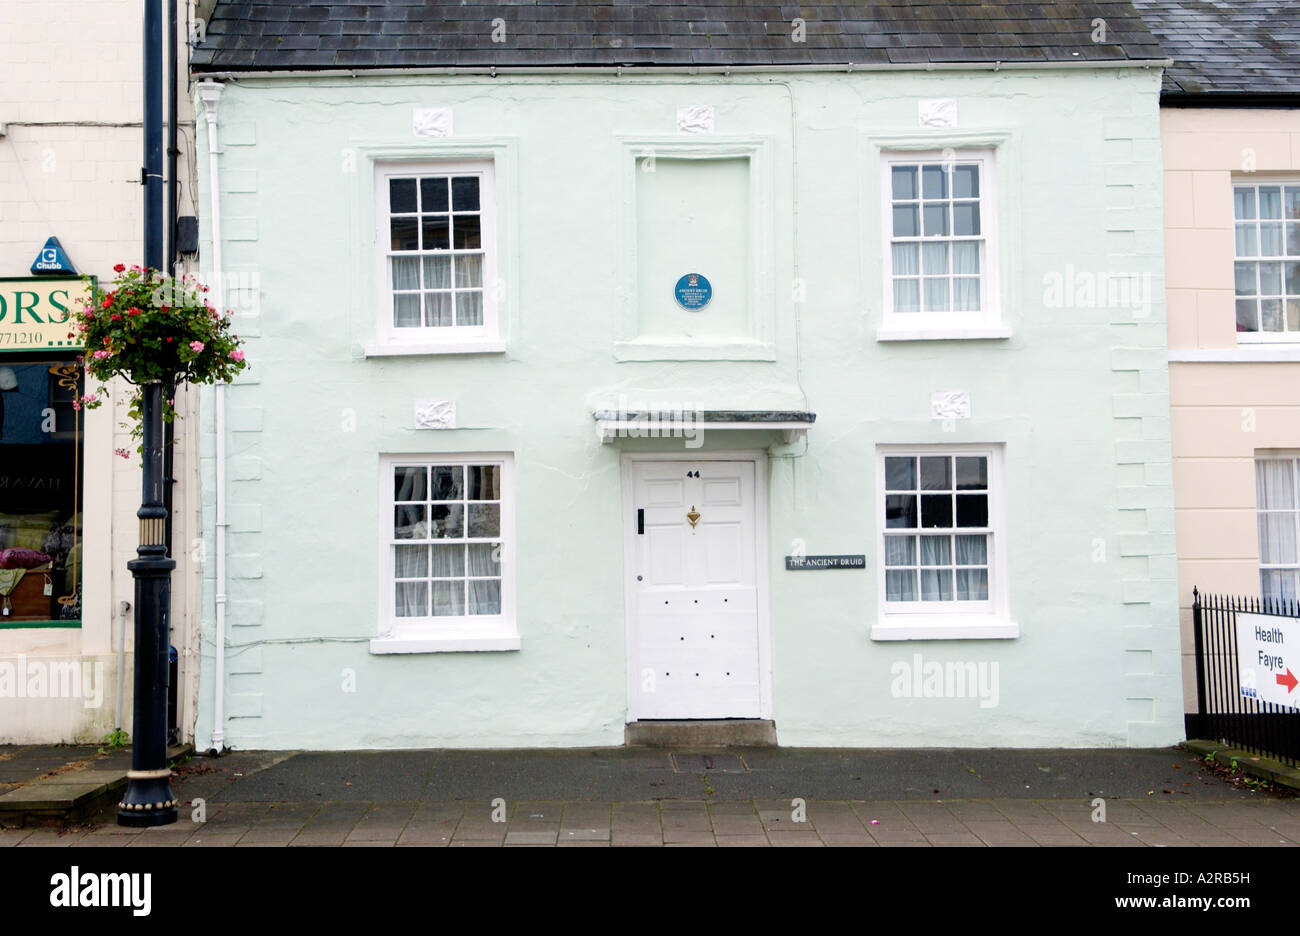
693	292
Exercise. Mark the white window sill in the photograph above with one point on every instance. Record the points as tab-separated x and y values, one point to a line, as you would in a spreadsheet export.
469	346
1259	352
690	349
943	627
447	644
941	334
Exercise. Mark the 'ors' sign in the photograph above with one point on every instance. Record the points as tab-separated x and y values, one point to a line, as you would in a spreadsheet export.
1268	652
36	312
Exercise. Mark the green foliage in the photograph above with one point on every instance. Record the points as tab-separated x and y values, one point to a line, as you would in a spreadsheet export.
153	328
114	741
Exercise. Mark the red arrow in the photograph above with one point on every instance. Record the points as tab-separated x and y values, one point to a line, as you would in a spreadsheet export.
1288	680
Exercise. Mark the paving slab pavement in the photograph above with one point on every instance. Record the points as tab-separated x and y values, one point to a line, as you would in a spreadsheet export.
615	797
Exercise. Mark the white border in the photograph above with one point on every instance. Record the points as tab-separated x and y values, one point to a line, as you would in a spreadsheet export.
383	156
760	343
1271	354
931	620
761	564
483	632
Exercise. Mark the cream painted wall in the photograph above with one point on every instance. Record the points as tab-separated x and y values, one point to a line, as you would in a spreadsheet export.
1222	412
70	156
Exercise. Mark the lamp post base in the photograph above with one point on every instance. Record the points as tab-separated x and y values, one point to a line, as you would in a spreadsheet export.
149	800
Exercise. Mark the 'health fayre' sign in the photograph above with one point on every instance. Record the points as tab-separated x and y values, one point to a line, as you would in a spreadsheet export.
1267	656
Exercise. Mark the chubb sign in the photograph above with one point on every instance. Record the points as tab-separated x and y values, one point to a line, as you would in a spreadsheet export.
36	312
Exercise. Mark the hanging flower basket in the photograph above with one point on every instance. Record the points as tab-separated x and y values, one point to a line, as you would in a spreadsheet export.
152	328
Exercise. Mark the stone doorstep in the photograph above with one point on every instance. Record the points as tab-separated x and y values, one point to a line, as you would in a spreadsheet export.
1257	765
69	796
730	732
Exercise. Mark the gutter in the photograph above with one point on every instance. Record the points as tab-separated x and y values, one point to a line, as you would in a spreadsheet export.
1239	99
493	71
210	92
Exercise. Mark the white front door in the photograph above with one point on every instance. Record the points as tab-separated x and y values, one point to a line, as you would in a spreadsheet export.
693	633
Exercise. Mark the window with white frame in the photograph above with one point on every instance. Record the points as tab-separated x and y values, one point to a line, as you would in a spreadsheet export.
437	252
936	529
1267	260
939	223
1277	501
447	545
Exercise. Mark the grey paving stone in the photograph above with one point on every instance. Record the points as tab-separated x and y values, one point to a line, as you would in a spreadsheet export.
953	838
207	840
635	840
859	839
160	839
105	841
276	835
742	841
45	839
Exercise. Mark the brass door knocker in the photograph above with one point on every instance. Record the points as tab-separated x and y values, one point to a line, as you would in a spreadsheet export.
693	516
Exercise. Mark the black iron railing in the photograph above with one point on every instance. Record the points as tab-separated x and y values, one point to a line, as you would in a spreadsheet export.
1224	713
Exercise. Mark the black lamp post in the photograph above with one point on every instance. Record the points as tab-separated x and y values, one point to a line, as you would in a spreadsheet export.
149	800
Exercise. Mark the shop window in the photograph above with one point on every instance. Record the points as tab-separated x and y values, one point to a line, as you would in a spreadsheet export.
40	492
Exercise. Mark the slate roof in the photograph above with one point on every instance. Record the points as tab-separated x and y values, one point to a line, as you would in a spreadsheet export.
242	35
1228	47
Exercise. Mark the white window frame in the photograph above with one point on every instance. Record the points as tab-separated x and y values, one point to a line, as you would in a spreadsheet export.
445	634
1293	459
987	322
948	620
1254	183
452	339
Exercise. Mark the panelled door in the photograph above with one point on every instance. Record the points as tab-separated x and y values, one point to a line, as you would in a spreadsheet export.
693	637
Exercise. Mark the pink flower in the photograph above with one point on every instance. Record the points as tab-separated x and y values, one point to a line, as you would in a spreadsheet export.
196	346
100	355
236	355
121	453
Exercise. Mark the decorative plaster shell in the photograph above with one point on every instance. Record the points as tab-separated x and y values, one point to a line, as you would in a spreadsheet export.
435	414
936	112
695	118
431	121
950	404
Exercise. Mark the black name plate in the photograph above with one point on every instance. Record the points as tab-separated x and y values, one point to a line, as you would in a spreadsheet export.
793	563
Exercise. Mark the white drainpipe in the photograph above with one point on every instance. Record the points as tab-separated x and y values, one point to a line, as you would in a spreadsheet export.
210	91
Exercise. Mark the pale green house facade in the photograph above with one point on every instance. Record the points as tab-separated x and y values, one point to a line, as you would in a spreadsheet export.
502	474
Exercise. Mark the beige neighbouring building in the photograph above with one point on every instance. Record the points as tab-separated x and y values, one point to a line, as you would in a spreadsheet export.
1230	132
70	158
